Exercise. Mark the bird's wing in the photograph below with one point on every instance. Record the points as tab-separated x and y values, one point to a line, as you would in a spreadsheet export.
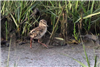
36	31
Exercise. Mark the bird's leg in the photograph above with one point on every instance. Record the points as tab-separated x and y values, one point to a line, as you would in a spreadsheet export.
31	42
42	43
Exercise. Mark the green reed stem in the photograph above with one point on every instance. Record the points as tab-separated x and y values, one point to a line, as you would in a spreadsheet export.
6	30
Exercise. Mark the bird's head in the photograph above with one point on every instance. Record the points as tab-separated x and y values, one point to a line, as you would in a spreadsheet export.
43	23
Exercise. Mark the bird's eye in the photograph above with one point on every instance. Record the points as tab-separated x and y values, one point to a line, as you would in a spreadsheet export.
41	20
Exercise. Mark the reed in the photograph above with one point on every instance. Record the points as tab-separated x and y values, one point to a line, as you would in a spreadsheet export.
6	30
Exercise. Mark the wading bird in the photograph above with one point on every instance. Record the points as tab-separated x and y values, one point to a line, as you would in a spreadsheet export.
38	32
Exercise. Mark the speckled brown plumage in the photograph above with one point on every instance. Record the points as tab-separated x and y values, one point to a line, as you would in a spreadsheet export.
38	32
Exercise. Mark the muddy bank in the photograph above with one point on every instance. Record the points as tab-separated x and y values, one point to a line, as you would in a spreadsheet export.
39	56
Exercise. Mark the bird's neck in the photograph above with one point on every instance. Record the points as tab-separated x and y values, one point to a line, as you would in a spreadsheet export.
43	26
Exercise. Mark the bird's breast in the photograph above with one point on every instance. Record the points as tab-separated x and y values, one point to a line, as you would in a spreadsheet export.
43	32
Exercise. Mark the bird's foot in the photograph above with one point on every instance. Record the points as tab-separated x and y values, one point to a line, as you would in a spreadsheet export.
45	45
30	46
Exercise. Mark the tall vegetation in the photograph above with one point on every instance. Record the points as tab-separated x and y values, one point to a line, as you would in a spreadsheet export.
84	15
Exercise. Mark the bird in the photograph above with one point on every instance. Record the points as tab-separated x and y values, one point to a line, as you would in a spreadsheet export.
38	32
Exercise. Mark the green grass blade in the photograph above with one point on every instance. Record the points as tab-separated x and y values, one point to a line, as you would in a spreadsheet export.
19	15
83	6
83	65
9	53
14	20
92	6
29	8
6	31
3	7
95	64
76	6
51	3
88	16
86	56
